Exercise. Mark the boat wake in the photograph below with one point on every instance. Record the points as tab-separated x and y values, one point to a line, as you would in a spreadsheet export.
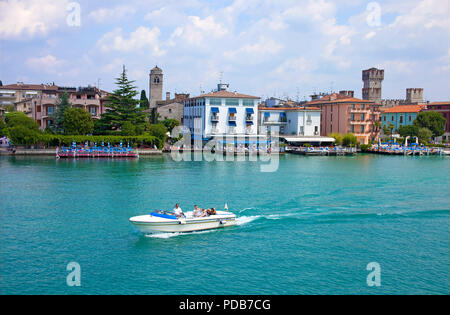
169	235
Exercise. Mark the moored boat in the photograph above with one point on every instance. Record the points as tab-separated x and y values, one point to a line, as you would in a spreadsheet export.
161	221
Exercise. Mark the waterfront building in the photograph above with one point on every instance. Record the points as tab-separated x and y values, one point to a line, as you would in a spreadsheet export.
89	98
18	92
402	115
444	109
343	113
172	108
296	125
222	112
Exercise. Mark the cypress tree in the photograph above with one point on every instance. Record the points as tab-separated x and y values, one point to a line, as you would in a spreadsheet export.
144	104
58	117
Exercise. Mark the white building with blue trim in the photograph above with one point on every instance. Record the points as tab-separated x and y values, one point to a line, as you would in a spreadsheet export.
221	113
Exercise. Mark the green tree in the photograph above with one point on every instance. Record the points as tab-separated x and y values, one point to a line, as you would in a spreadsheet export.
425	135
350	140
170	123
2	127
122	105
338	137
432	121
144	104
128	129
21	135
154	116
410	130
58	117
20	119
77	121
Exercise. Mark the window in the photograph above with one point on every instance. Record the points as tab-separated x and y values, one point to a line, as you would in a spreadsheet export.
78	97
352	128
410	118
352	117
232	101
362	117
362	129
362	106
50	110
392	118
401	119
38	109
170	110
215	101
156	80
248	103
93	111
384	118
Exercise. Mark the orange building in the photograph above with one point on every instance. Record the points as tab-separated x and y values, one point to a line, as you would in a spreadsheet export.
343	113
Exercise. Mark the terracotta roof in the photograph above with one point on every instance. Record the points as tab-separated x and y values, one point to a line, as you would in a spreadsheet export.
38	87
226	94
439	103
405	109
337	98
290	108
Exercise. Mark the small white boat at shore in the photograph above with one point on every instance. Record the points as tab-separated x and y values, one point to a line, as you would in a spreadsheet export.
159	221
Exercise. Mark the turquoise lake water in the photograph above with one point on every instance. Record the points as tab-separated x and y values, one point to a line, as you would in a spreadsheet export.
309	228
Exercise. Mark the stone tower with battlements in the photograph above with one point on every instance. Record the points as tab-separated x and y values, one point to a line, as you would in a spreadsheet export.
156	86
414	96
372	79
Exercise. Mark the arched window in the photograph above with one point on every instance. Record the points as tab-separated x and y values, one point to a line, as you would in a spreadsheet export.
156	80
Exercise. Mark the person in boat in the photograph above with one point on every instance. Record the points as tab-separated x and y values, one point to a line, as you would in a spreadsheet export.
178	212
198	212
211	211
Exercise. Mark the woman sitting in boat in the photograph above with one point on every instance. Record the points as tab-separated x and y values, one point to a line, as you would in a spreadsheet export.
211	211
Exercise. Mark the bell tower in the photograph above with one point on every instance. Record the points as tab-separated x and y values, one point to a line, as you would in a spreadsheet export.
156	86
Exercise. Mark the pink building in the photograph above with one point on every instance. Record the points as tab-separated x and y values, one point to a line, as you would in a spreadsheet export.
343	113
89	98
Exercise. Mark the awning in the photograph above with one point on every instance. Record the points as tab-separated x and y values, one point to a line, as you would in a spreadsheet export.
266	114
309	139
232	123
232	110
283	114
249	122
214	109
249	111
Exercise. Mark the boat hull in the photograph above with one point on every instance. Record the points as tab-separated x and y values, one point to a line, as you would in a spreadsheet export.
149	224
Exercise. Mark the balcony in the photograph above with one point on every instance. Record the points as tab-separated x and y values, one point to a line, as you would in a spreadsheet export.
231	118
360	122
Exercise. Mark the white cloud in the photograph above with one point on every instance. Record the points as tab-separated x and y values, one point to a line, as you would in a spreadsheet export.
426	15
30	17
142	40
105	14
255	53
198	29
47	63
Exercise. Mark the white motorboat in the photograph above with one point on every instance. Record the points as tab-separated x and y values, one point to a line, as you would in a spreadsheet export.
160	221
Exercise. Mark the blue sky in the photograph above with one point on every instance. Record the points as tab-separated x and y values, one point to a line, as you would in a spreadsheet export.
264	48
